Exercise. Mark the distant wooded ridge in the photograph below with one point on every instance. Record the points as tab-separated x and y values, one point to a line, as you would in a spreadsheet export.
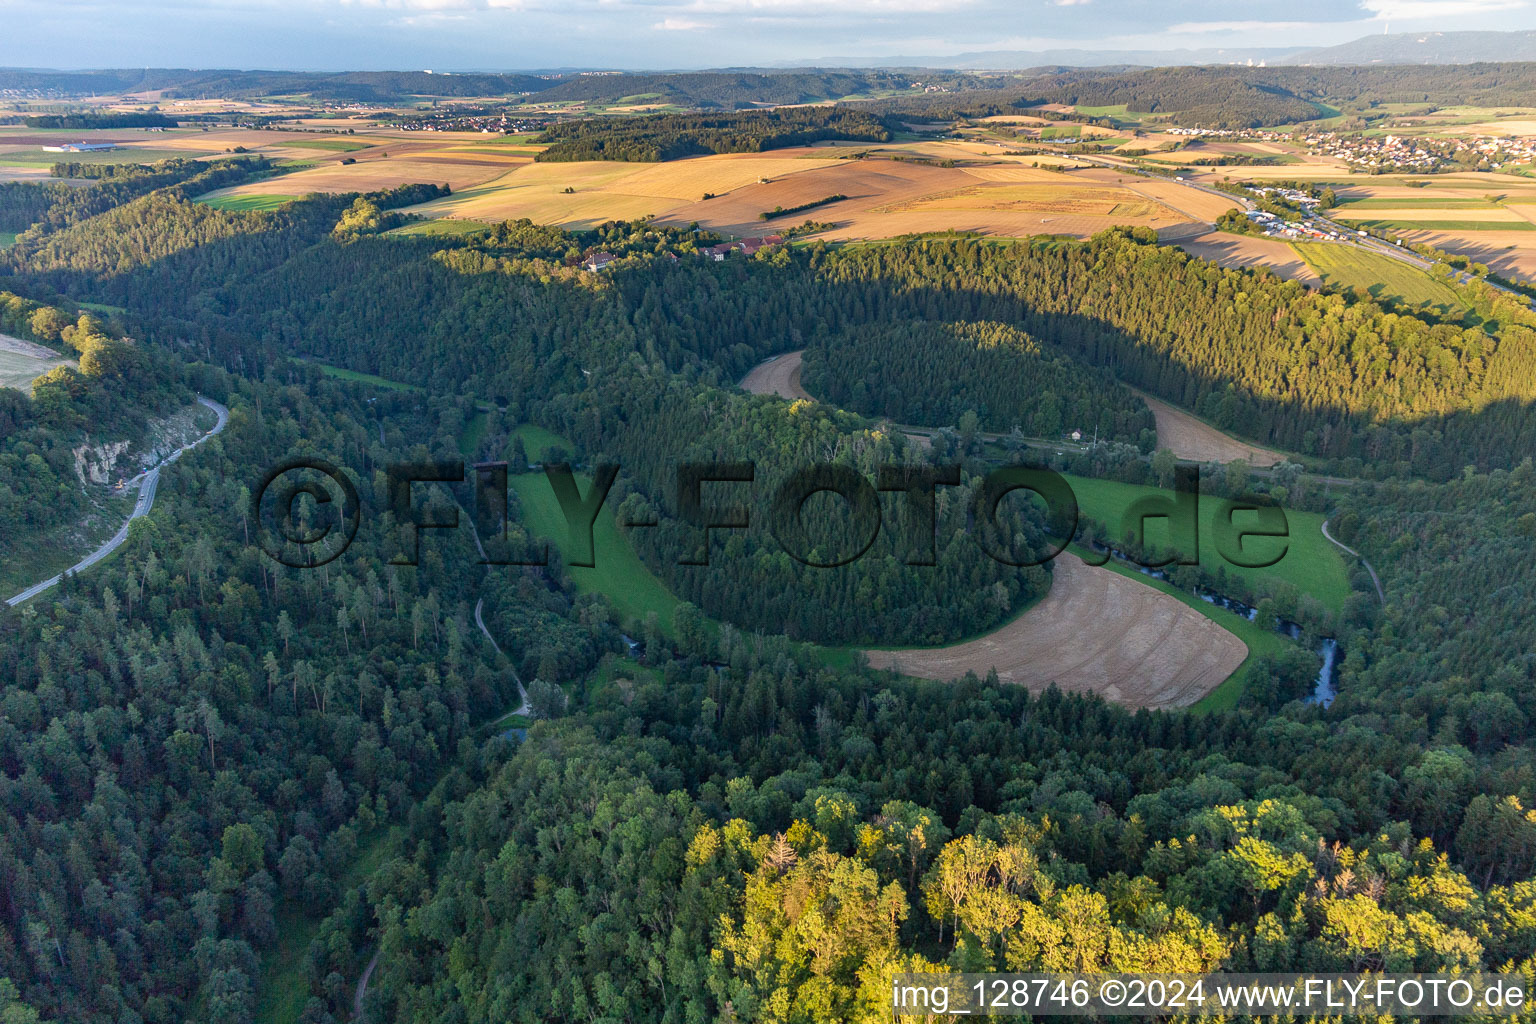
1210	95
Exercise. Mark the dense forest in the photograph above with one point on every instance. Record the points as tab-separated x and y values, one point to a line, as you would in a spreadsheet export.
673	136
204	754
920	372
102	120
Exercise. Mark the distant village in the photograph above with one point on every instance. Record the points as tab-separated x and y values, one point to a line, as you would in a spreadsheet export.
501	123
1384	153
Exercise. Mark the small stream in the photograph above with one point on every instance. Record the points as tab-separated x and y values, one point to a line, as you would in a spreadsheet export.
1326	688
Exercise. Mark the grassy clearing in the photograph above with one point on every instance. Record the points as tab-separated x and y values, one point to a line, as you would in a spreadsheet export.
334	145
34	156
633	589
441	226
284	987
536	441
1381	277
338	373
473	432
1309	563
7	239
246	203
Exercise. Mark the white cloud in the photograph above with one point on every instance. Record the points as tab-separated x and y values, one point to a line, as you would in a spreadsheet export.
1407	10
1192	27
681	25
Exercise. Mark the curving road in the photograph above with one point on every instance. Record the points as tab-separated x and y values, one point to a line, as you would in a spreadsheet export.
521	709
1345	547
149	482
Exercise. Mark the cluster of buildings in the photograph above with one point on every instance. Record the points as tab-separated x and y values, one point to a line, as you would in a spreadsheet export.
487	124
746	246
1235	134
1424	154
596	262
1290	195
1277	227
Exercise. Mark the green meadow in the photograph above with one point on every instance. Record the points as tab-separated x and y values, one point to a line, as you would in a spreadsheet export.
1376	275
246	203
334	145
1308	563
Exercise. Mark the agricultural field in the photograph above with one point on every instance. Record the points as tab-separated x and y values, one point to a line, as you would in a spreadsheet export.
1308	563
998	197
440	226
1250	251
1190	437
224	200
777	376
885	197
1381	277
1095	630
21	362
1509	253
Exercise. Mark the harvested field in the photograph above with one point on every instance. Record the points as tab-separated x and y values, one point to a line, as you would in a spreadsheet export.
1509	253
1095	631
1243	251
1484	213
1070	200
1189	437
777	376
866	183
21	362
608	190
888	198
1191	202
371	175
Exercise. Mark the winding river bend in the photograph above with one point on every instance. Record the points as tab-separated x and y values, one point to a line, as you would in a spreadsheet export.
1148	680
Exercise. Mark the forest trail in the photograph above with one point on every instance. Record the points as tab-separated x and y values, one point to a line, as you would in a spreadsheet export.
522	694
361	992
1375	580
149	482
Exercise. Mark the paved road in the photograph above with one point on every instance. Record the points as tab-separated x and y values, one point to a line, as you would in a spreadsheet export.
522	709
1381	594
149	483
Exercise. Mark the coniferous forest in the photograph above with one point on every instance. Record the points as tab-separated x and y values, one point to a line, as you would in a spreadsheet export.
228	783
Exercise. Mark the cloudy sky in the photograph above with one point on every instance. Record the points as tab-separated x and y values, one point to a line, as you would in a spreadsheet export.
461	35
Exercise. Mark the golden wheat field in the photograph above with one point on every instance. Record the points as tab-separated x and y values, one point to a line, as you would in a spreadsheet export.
374	174
1074	200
